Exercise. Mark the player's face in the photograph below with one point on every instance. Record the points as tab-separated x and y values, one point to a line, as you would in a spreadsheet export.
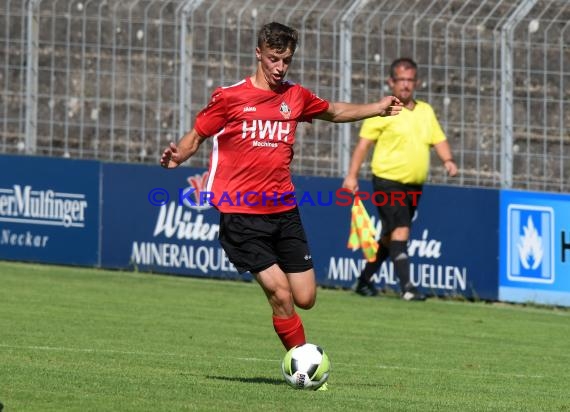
403	84
273	64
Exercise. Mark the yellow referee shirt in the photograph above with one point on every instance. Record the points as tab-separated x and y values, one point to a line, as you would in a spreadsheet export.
403	143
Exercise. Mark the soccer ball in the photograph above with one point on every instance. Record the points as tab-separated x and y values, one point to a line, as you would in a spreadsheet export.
306	366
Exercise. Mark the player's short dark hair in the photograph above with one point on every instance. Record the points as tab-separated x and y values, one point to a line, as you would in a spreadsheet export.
404	62
278	37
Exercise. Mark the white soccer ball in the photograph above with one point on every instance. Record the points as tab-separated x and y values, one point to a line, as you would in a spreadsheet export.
306	366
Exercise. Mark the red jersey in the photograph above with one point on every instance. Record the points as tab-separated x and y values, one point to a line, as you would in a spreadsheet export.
253	133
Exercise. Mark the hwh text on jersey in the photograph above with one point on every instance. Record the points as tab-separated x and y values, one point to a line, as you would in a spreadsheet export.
266	129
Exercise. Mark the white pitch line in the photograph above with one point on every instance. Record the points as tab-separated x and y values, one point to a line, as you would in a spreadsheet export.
465	372
87	350
250	359
256	359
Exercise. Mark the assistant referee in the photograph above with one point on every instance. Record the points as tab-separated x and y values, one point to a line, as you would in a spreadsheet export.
400	163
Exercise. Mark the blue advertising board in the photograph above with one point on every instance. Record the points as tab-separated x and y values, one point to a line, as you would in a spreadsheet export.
535	247
131	216
146	218
453	245
49	210
148	226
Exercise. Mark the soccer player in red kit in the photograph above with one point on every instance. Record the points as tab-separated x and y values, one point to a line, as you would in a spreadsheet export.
252	126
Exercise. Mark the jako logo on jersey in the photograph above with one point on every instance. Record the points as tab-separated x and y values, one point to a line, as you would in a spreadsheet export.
265	129
248	109
285	110
530	244
197	185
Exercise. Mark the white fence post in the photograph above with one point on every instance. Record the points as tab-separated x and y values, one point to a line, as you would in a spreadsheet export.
345	75
507	79
31	128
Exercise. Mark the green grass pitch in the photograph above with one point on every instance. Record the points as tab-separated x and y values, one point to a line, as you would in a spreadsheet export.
76	339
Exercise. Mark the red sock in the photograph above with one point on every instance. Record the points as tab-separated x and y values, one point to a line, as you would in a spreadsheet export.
290	331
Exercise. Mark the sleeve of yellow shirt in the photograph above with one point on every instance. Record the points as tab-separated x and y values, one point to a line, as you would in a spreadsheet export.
437	135
371	128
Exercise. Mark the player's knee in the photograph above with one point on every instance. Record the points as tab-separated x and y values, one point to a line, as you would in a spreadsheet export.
306	302
282	297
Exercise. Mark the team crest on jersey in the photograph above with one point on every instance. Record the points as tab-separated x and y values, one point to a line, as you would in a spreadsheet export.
285	110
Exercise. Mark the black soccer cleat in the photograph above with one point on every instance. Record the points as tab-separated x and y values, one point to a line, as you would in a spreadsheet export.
364	288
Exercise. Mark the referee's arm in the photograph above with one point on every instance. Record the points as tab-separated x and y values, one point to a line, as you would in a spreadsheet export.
443	151
358	156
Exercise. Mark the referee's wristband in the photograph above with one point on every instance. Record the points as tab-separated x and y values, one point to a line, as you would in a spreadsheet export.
448	160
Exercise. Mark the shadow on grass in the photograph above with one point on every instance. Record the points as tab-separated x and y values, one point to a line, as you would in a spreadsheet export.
269	381
266	381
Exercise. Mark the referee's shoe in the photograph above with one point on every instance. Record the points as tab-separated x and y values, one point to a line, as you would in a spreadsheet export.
411	293
365	288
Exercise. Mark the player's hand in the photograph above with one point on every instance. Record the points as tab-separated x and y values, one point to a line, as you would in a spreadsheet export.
350	183
450	167
170	157
390	106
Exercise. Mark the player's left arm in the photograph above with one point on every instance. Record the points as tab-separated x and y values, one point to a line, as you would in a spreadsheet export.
443	151
341	112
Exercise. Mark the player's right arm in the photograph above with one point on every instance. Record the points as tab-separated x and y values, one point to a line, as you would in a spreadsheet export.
209	121
358	156
176	154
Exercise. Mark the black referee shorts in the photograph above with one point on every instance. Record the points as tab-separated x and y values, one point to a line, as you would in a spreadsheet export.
396	203
255	242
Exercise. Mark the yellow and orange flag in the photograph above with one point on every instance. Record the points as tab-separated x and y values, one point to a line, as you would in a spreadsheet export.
362	233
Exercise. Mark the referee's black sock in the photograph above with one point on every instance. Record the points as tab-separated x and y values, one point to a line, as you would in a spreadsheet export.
371	267
399	256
